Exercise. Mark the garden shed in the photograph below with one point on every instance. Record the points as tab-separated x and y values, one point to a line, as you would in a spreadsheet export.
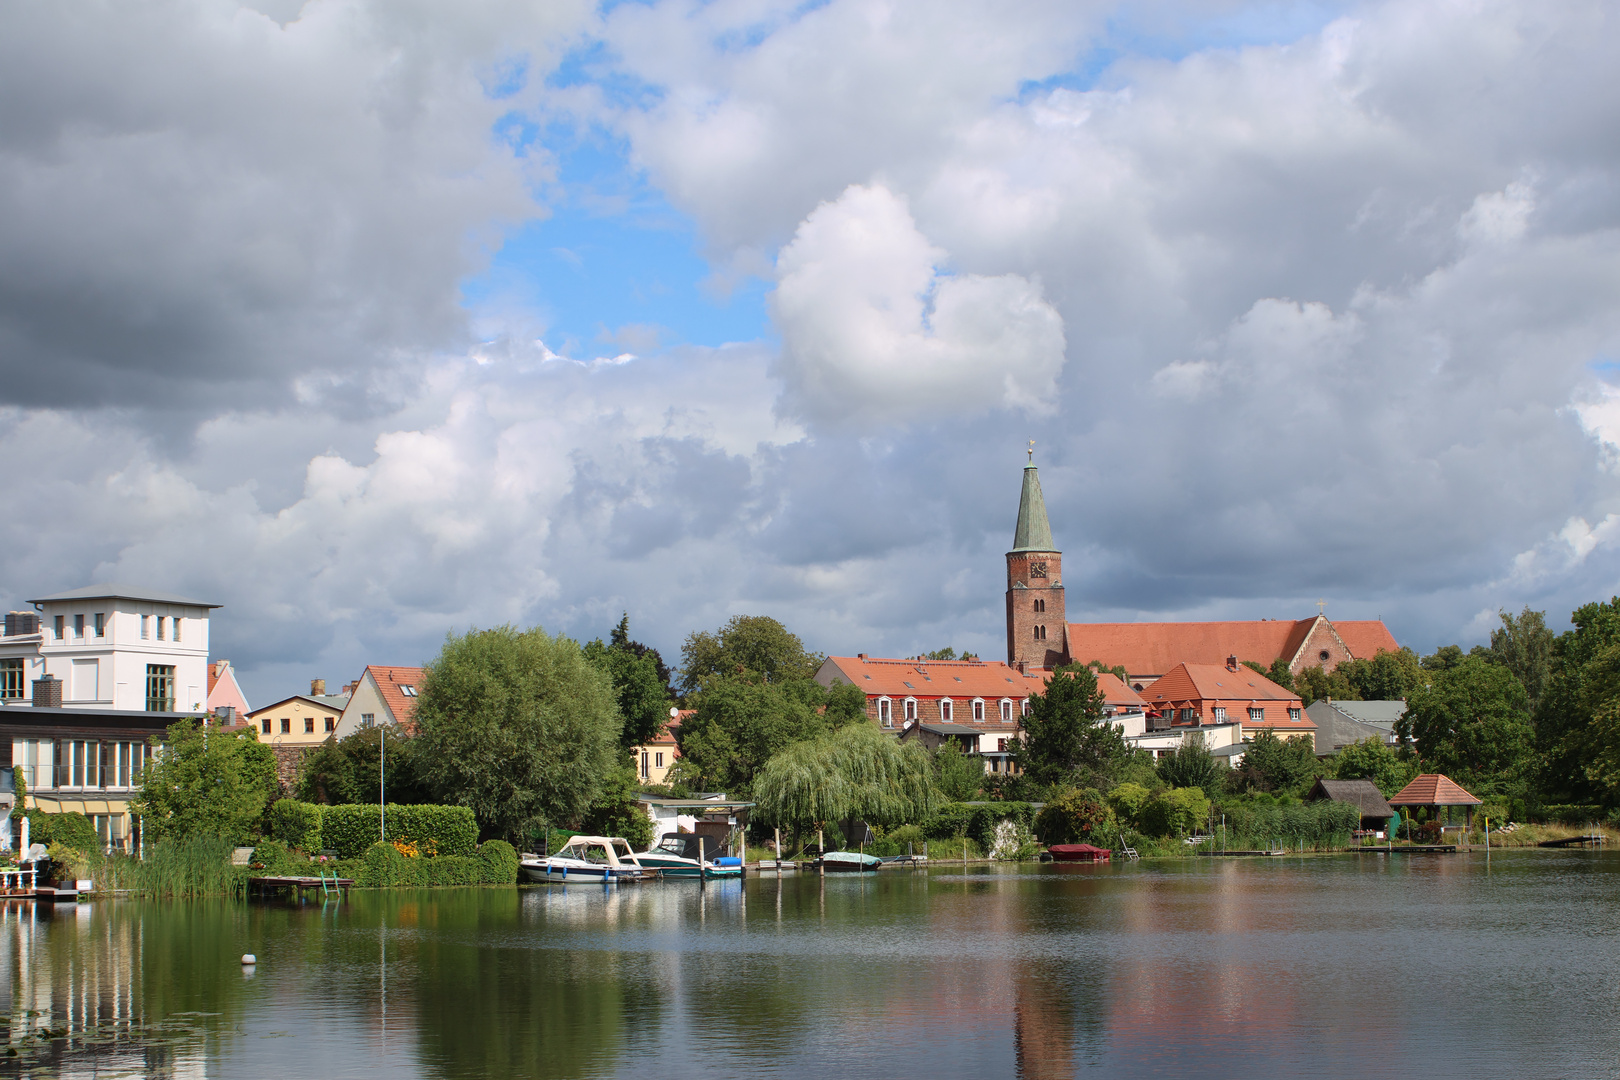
1364	794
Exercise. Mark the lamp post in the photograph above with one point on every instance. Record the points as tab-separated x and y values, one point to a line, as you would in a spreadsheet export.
382	815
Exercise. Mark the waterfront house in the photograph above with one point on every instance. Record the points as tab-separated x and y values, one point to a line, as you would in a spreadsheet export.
1206	694
382	695
704	814
1363	794
917	690
301	720
657	756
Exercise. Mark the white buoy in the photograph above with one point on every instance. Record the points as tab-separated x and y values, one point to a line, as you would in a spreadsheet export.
248	959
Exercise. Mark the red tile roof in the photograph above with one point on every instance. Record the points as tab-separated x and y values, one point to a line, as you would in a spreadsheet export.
390	682
1215	682
1154	648
956	679
1433	789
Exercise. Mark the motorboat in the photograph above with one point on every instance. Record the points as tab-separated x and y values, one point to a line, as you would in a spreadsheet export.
587	858
677	856
847	862
1078	853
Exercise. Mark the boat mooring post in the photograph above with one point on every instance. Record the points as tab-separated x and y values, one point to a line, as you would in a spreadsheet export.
703	870
779	849
821	859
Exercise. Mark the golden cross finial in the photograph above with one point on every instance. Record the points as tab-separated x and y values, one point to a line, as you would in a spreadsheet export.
1032	451
1320	606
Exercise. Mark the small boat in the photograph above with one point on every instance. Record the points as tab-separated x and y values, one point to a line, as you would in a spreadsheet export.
586	858
676	856
1080	853
847	862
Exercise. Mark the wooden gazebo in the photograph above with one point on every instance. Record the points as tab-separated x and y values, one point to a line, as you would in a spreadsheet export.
1433	790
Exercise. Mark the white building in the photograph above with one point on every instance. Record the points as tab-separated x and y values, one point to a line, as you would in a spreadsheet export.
112	647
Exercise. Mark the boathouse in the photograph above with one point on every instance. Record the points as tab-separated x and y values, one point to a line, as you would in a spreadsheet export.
1364	794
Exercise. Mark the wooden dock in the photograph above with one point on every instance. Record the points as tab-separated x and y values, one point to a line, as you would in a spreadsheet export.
1406	849
298	886
1236	852
1574	841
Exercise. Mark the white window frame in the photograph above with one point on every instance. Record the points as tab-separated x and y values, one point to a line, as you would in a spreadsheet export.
1220	714
947	711
1257	714
1293	714
978	710
1006	710
911	709
885	711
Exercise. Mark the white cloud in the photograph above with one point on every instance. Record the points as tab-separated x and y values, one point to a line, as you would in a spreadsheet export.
874	330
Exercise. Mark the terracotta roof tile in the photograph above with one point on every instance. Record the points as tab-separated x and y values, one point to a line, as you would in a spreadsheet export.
1433	789
1155	648
957	679
398	688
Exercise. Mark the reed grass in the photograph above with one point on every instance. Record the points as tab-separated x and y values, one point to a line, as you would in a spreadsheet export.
180	869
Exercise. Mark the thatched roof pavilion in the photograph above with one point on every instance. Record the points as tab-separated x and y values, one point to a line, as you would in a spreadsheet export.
1363	794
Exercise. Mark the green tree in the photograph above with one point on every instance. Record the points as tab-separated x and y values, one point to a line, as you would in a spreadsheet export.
1176	812
1389	676
957	775
738	724
1278	672
1583	678
748	645
642	695
1066	736
1128	800
346	770
517	726
1374	759
1523	645
206	782
615	811
1193	766
947	653
857	773
1472	723
1313	684
1118	670
1284	766
1075	815
1444	658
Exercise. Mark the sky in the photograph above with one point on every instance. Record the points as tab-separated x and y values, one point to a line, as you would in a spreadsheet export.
376	322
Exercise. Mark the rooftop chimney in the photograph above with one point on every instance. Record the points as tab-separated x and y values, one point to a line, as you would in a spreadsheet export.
1231	663
48	693
860	656
317	687
21	622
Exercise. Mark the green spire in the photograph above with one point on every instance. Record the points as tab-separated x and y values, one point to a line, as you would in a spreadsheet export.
1034	532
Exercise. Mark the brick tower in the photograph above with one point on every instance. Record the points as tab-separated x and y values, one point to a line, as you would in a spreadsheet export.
1037	626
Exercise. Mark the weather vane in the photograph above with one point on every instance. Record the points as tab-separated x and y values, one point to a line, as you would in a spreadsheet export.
1032	451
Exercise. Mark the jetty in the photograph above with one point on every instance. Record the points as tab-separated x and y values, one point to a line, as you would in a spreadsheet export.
1574	841
298	886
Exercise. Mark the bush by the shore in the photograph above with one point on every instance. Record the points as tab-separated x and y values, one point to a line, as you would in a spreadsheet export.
385	866
351	829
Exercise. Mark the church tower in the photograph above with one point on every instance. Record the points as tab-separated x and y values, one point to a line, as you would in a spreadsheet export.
1037	626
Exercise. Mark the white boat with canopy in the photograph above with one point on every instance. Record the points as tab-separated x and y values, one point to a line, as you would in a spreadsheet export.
587	858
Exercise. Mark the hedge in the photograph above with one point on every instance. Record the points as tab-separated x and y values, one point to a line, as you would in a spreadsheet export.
384	867
977	821
352	829
296	824
72	829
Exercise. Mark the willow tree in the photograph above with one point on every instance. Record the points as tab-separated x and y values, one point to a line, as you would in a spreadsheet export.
856	773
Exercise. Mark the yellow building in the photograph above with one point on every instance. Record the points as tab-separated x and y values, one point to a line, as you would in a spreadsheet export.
302	720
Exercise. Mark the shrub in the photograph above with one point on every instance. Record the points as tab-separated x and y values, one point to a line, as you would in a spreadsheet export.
383	867
499	861
950	820
1179	810
276	859
71	829
1075	815
68	863
351	829
1563	813
296	824
1128	801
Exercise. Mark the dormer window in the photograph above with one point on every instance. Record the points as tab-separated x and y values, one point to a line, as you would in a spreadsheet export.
978	710
885	713
1006	710
946	710
911	709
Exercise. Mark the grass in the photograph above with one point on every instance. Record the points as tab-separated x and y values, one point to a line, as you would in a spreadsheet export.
180	869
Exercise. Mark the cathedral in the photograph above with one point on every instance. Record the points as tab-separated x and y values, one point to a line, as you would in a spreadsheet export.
1039	634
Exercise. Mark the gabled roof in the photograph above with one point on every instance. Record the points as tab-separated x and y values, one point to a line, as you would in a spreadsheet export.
1335	728
391	684
123	592
334	702
1117	694
1433	789
1381	714
1214	682
1033	531
1361	793
956	679
1152	648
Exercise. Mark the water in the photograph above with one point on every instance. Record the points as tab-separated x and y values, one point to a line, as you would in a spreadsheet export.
1359	967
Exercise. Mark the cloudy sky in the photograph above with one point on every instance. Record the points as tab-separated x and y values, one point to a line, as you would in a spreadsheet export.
373	321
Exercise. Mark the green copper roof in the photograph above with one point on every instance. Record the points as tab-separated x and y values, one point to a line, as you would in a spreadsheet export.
1034	532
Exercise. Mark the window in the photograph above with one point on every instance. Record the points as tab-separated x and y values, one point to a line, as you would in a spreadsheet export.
1040	605
1220	714
1006	710
146	631
368	719
978	710
160	688
160	627
1256	714
1189	715
408	691
286	725
885	717
1024	709
61	621
658	759
946	709
265	724
12	678
1001	746
309	725
101	624
1323	655
911	708
331	723
78	627
645	761
176	626
1293	714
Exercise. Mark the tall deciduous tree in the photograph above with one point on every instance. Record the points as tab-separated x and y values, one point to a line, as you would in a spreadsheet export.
1193	766
748	645
1582	686
958	776
518	726
1284	766
643	697
1374	759
348	770
1523	645
1472	723
1389	676
206	782
738	723
857	773
1066	737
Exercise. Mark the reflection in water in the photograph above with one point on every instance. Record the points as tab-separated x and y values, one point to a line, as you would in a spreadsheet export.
1217	968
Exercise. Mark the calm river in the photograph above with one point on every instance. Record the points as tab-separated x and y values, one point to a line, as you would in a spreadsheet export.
1439	966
